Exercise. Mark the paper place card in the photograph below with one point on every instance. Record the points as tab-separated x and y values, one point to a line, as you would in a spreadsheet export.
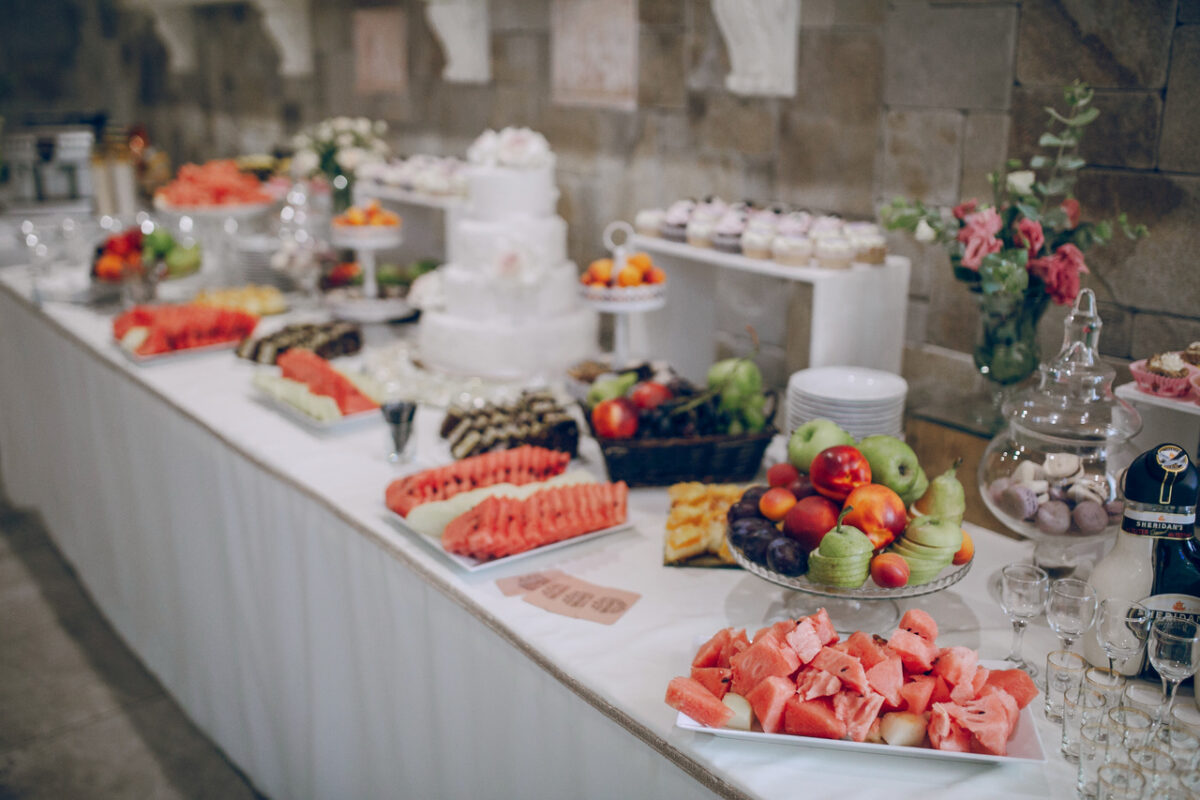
577	598
530	582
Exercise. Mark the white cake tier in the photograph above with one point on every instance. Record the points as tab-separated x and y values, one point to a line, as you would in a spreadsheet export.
537	346
519	244
473	294
496	193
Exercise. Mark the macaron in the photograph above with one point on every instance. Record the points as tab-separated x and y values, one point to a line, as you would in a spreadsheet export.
1019	502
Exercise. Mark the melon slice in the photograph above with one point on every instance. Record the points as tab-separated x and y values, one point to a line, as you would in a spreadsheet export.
886	678
738	642
919	622
917	692
957	665
812	718
709	654
715	679
986	719
768	700
823	626
814	683
1016	682
805	641
917	654
760	661
945	733
857	711
863	647
847	668
690	697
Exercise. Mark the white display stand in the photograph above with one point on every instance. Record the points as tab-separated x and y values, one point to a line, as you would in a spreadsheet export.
428	218
851	317
1163	420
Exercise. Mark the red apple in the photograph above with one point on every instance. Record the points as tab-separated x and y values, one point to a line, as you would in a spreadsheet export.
839	470
776	503
801	487
615	419
889	570
782	474
648	395
878	512
810	519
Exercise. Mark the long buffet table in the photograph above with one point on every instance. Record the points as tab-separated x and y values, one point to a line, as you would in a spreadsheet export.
250	565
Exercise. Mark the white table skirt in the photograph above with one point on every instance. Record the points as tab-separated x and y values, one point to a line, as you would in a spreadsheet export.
249	564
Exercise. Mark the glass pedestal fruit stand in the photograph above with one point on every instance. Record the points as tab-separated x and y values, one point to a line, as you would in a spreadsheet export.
366	241
622	302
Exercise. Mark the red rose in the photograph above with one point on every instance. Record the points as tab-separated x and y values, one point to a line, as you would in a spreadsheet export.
1060	272
1071	206
962	209
978	235
1029	235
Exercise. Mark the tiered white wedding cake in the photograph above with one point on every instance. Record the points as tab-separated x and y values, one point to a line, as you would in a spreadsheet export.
510	307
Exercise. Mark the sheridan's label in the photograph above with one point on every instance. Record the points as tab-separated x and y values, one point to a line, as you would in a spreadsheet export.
1143	520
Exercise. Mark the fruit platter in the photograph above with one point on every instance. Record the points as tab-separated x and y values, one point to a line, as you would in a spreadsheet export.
656	428
488	510
150	333
623	282
312	391
134	253
216	187
366	227
797	682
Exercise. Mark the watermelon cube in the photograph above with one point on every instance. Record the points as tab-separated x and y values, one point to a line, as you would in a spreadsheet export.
1016	682
886	678
919	622
941	691
945	733
957	665
768	700
690	697
804	640
864	647
823	626
917	693
715	679
847	668
814	683
917	654
812	718
709	654
857	711
738	642
987	720
1006	700
760	661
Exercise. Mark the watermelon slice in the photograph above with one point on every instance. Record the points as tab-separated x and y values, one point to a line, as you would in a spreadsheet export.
814	683
945	733
980	680
886	678
738	642
823	626
941	691
917	693
321	378
847	668
957	666
1009	704
986	719
812	718
760	661
768	699
857	712
863	647
181	327
690	697
518	466
805	641
1016	682
917	654
709	654
919	622
715	679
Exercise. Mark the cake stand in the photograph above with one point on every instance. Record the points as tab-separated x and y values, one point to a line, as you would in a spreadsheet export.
867	607
365	241
625	301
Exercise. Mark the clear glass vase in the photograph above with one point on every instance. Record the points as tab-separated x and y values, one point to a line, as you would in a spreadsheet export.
1006	351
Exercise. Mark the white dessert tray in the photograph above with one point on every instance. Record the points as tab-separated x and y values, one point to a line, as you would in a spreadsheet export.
1025	746
339	425
176	355
475	565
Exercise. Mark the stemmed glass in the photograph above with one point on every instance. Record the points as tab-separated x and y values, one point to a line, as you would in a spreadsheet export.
1175	653
1071	609
1121	628
1023	590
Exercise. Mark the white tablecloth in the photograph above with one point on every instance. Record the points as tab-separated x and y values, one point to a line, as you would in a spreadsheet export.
250	565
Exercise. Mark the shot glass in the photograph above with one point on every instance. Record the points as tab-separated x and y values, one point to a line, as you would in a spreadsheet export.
1190	781
1119	782
1143	696
399	415
1092	750
1181	744
1157	767
1109	685
1081	706
1064	670
1129	728
1184	714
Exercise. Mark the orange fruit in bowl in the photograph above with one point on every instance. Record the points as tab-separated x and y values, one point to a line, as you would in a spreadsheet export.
601	270
629	276
641	261
656	275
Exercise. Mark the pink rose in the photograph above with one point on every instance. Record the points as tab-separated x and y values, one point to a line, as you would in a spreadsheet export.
978	235
1071	206
1060	272
1029	235
962	209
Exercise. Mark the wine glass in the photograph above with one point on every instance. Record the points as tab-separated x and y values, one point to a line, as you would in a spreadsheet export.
1174	650
1071	609
1121	628
1023	590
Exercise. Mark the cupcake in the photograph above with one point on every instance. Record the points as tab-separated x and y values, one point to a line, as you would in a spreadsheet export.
710	209
795	251
1164	374
756	242
675	221
1192	354
649	220
727	233
825	226
700	232
862	229
767	217
833	252
869	248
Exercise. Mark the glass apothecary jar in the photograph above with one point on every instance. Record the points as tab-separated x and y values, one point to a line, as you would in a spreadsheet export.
1053	474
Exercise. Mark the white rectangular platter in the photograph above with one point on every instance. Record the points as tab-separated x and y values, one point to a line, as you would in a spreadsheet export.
1025	746
474	565
176	355
339	425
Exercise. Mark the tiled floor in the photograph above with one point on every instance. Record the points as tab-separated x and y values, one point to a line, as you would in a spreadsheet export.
80	717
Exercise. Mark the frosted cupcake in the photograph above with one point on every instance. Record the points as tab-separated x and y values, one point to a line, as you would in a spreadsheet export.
794	251
869	248
710	209
727	234
833	253
1165	375
824	226
675	221
756	242
700	232
862	229
1192	354
649	221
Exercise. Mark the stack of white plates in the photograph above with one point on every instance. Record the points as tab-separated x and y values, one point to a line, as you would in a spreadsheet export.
252	259
863	401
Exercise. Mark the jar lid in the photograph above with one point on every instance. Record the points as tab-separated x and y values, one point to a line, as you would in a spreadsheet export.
1073	398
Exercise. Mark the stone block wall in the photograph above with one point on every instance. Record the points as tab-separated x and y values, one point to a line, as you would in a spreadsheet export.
894	97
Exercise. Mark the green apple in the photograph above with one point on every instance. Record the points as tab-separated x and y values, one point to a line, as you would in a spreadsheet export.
946	497
935	532
811	438
919	487
893	463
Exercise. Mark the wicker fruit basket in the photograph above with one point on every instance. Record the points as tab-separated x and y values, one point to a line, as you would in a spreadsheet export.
710	459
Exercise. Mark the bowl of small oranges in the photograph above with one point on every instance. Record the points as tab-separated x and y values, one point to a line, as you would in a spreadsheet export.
624	279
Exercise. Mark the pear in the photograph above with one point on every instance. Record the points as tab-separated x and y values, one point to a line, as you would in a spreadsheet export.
945	497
